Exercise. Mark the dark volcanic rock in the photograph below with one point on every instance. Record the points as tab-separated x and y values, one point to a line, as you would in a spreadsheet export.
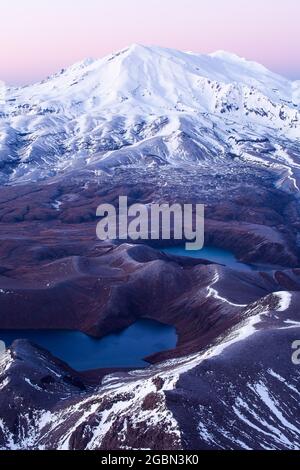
254	386
239	391
230	381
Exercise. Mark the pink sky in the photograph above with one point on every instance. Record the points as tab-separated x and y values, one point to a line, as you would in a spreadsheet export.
38	37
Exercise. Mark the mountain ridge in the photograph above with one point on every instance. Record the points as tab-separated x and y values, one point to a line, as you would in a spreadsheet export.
145	95
219	54
148	125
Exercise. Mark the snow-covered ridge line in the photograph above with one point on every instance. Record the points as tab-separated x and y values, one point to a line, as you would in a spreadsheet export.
184	107
127	406
213	59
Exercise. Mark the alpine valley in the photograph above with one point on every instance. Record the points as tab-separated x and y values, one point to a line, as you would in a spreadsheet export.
155	125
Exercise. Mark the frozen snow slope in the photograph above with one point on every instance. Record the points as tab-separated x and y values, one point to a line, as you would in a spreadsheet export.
182	106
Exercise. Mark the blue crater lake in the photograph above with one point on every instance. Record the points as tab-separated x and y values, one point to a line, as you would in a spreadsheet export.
216	255
127	348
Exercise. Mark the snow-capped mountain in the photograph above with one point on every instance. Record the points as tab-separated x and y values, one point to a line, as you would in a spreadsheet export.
150	105
156	125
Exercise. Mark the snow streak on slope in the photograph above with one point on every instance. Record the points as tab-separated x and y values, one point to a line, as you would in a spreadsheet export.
133	410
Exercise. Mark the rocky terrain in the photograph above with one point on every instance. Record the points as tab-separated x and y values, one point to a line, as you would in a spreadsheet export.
158	126
240	391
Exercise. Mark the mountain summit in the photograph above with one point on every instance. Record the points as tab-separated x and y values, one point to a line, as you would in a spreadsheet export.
97	107
158	126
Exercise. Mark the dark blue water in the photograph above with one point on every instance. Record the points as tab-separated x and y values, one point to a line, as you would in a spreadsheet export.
212	254
124	349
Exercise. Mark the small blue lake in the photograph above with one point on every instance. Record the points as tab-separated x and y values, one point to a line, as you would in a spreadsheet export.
216	255
127	348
